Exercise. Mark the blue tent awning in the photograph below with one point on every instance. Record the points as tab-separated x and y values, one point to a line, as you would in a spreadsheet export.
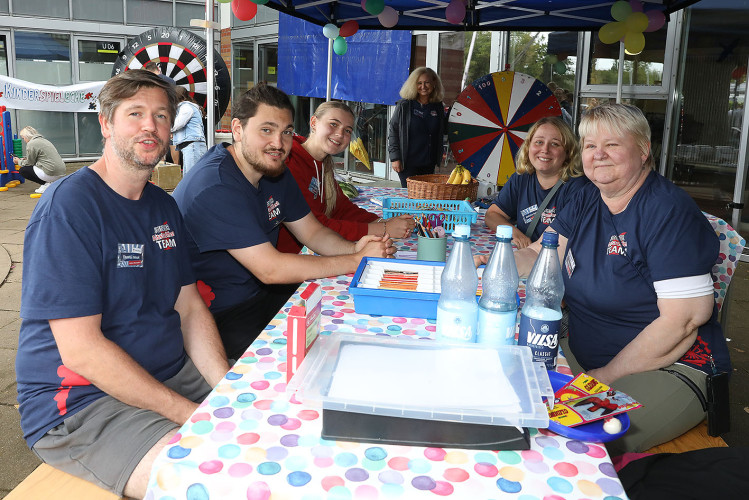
534	15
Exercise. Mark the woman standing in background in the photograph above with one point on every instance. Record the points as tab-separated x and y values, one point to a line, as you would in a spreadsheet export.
416	131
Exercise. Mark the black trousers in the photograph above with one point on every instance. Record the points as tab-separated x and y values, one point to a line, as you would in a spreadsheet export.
240	325
27	172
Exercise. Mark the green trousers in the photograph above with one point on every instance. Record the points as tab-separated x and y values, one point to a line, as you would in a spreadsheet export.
669	406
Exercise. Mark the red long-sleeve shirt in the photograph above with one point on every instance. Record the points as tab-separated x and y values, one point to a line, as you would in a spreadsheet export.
347	219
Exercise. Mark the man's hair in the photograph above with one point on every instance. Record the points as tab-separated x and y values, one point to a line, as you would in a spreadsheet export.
28	132
622	120
127	84
152	66
262	93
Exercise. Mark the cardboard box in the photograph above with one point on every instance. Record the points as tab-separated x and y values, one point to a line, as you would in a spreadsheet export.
302	327
166	175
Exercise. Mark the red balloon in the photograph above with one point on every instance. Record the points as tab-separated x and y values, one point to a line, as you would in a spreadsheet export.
348	28
244	9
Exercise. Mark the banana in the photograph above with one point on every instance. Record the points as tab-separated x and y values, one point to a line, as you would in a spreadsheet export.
453	175
466	176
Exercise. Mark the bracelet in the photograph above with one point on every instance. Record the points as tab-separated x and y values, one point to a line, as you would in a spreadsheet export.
385	222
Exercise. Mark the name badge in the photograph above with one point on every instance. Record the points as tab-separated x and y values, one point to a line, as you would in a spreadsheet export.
130	254
569	263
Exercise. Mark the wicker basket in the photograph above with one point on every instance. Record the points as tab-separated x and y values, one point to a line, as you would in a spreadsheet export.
435	187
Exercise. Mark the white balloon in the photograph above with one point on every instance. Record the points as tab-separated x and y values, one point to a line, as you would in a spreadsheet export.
330	30
388	17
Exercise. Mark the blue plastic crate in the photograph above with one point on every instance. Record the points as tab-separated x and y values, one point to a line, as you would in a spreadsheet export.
456	212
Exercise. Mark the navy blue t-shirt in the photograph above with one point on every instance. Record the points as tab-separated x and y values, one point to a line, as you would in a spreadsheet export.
520	197
666	236
224	211
89	251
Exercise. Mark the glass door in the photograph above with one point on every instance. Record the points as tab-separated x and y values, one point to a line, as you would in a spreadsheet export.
93	61
4	37
709	155
267	61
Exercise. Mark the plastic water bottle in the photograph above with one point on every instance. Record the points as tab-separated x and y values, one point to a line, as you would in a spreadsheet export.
498	307
542	311
457	309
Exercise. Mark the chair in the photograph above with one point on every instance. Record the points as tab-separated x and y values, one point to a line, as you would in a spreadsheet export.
731	246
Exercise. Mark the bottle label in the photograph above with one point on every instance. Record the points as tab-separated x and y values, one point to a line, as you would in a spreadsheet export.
456	326
496	328
542	336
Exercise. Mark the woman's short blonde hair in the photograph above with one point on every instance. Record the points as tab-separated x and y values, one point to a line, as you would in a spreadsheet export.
571	167
27	133
410	88
621	120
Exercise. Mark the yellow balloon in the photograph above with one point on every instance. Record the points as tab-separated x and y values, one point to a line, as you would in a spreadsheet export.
634	43
612	32
637	22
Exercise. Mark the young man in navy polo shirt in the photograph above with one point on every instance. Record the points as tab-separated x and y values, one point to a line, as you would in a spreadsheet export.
234	201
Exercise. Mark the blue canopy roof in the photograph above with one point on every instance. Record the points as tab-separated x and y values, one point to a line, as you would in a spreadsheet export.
533	15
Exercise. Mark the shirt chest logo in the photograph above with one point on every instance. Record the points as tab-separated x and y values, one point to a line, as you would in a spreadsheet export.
163	236
314	188
617	245
547	216
274	209
130	255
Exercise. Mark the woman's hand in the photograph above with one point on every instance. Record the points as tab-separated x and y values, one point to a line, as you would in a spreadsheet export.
396	165
400	227
519	239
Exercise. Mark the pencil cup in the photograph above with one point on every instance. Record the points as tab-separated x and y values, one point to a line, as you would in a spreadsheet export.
431	248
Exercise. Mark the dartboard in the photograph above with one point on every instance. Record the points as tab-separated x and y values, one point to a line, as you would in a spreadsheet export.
490	119
182	57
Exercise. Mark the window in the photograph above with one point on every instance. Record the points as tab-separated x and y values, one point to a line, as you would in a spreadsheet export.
268	62
35	7
43	58
149	12
96	59
3	56
645	68
55	126
89	134
243	68
265	15
186	12
111	11
418	51
4	7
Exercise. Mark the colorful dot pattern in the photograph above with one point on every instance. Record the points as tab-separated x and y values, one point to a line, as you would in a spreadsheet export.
731	246
250	440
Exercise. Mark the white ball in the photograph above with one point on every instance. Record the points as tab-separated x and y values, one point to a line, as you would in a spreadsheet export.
612	425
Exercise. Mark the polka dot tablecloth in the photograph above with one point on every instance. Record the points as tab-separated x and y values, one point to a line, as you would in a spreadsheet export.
250	440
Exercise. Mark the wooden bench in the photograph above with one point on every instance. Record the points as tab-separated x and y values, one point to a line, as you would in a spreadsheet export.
694	439
47	482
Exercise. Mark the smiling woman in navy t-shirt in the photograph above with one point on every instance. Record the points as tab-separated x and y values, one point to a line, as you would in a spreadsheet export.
549	154
637	255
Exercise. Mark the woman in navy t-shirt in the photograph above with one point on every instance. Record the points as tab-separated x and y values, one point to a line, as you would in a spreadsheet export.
637	255
549	154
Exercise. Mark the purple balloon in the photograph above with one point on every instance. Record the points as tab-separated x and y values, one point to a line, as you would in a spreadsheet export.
455	12
656	20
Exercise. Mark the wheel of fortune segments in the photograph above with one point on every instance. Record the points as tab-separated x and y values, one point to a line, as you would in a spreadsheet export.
182	57
490	119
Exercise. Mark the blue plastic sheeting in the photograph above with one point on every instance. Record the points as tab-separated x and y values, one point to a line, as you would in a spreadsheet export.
372	70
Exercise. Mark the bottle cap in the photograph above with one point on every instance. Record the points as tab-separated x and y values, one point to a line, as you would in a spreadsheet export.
462	231
550	238
504	232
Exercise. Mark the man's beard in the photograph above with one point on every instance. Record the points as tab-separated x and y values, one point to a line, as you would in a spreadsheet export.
126	152
256	161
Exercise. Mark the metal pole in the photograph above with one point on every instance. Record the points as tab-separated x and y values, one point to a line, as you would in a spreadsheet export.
330	70
209	75
468	61
620	77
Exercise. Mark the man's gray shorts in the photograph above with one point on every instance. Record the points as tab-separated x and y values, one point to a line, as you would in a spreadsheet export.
104	442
